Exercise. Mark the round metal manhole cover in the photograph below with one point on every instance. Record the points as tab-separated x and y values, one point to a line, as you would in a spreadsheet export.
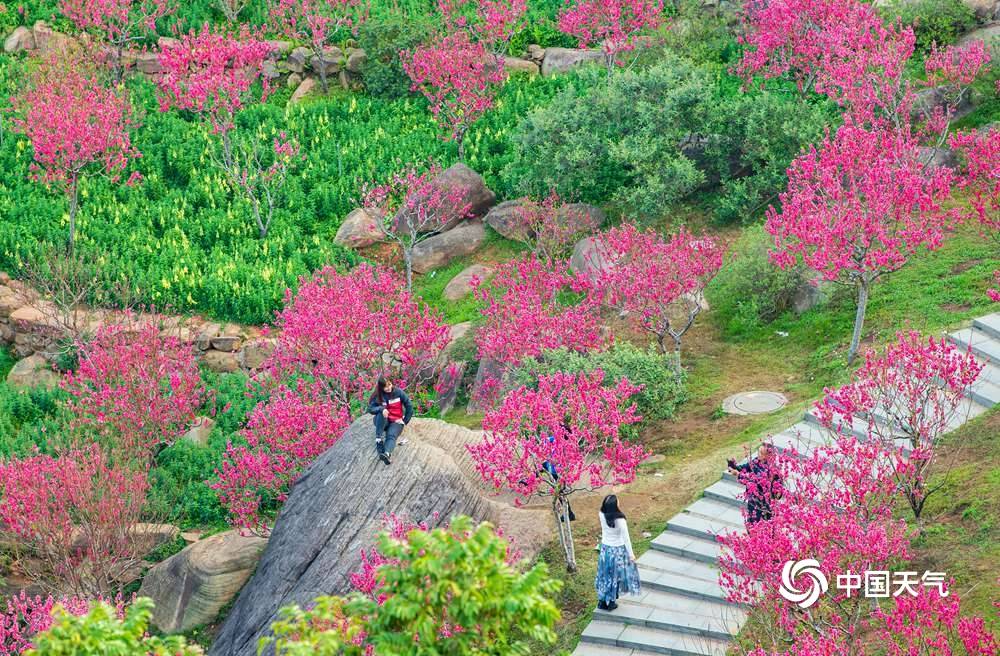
754	403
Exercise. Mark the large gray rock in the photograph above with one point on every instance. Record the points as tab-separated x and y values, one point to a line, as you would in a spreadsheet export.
939	157
589	258
33	371
561	60
440	250
18	40
505	218
304	89
583	218
985	10
471	197
518	65
191	587
336	507
489	376
360	228
943	97
461	285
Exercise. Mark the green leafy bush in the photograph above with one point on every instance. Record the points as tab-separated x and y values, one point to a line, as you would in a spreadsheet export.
618	139
940	21
660	396
749	291
382	39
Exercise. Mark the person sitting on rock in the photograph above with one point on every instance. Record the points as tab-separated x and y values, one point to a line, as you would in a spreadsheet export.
393	410
762	480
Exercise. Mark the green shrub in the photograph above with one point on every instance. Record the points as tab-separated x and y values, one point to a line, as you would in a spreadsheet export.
940	21
28	417
617	139
661	395
749	291
382	39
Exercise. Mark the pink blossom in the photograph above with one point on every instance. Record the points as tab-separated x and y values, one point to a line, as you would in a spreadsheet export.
614	25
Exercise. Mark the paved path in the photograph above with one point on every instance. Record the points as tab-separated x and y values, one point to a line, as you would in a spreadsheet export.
682	610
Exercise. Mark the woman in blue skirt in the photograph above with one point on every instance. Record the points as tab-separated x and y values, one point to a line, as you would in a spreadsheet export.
617	572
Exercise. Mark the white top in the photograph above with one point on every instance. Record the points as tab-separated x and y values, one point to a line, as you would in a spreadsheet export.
617	535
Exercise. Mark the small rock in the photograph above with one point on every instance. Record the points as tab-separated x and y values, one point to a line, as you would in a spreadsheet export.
19	40
294	80
461	285
48	40
561	60
360	228
303	90
329	63
356	60
279	48
148	63
536	53
583	218
296	62
229	340
442	249
154	535
269	70
221	361
205	336
589	258
647	534
199	432
33	371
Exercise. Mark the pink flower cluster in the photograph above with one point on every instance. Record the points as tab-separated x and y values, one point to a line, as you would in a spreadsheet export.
283	435
412	203
491	22
25	616
117	22
549	224
212	73
614	25
134	388
573	423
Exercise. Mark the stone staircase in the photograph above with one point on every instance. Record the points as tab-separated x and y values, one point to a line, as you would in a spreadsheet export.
682	610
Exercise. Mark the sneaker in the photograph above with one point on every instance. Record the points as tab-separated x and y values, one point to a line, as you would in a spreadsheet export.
384	457
403	441
612	606
601	605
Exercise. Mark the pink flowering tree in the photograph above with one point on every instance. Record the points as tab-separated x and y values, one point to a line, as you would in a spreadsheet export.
549	225
560	438
490	22
531	306
413	208
283	435
75	519
657	283
316	23
460	79
215	75
981	177
834	506
913	391
117	23
25	616
133	390
615	26
346	329
77	128
857	208
930	622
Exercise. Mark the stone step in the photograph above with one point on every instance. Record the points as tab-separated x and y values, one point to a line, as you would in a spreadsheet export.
715	510
655	562
586	649
679	583
965	410
990	324
790	441
655	641
700	527
725	491
666	611
984	392
982	345
686	546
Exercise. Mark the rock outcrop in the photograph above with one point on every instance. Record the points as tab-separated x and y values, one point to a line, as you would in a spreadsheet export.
461	285
442	249
561	60
336	509
360	228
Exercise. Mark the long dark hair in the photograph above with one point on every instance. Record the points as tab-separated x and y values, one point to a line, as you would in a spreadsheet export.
610	510
379	393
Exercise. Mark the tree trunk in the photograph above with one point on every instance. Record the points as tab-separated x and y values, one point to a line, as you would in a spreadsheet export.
408	263
560	506
677	358
460	141
74	205
859	319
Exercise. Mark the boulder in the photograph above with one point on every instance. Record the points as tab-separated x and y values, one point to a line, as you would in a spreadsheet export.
19	40
812	291
360	228
448	384
303	90
985	10
939	157
48	40
356	60
296	61
505	219
561	60
536	53
329	63
200	431
228	338
589	258
191	587
255	352
279	48
518	65
155	535
220	361
269	70
33	371
148	63
461	285
336	509
440	250
470	191
489	374
294	80
583	218
927	100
